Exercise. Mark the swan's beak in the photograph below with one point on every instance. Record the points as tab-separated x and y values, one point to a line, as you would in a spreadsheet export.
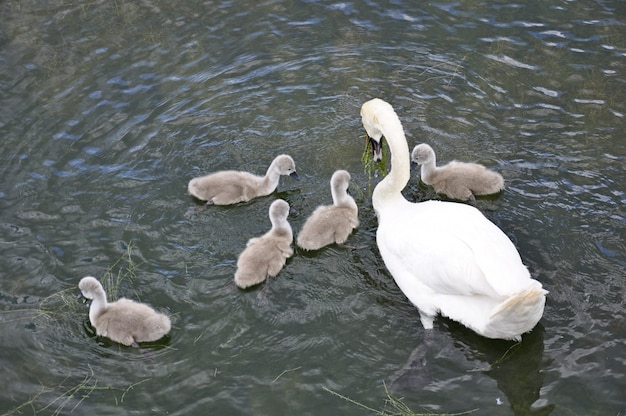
377	149
295	175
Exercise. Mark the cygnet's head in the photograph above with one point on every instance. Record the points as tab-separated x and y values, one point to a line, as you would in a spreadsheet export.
279	209
89	286
422	154
286	166
193	188
340	180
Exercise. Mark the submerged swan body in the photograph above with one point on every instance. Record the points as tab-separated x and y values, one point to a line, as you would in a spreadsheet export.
330	224
447	257
231	186
457	180
124	321
266	255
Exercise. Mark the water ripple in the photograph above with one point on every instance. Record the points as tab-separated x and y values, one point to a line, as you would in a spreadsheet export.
512	62
104	125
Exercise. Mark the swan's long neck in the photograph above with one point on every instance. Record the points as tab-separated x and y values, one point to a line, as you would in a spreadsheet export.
388	191
98	305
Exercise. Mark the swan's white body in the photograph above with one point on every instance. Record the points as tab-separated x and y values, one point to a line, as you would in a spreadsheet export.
447	257
330	224
266	255
230	186
457	180
124	321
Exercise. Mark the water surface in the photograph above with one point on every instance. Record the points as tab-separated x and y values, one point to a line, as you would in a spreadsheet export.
107	109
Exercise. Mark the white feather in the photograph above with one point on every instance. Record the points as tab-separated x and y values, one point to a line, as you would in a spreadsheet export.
447	257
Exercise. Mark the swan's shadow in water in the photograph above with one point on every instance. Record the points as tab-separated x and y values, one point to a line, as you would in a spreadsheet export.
516	368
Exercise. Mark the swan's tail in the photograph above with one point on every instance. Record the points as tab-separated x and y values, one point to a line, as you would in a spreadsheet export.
516	315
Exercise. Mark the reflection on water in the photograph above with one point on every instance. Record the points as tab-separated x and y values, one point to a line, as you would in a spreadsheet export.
107	109
517	369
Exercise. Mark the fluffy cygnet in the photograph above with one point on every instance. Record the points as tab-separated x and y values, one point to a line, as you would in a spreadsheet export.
266	255
124	321
457	180
230	186
330	224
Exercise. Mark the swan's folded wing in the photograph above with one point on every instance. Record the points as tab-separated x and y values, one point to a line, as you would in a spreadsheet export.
443	264
499	259
494	253
454	250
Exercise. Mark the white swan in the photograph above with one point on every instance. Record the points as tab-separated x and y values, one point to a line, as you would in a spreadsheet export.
266	255
447	257
330	224
124	321
457	180
231	186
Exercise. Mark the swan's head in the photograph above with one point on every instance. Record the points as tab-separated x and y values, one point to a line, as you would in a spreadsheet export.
372	114
422	154
89	286
377	148
285	165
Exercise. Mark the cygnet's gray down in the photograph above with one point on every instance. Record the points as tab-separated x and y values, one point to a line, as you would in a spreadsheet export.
230	186
330	224
266	255
457	180
124	321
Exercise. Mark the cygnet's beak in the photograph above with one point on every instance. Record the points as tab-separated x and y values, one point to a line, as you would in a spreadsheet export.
81	298
377	149
295	175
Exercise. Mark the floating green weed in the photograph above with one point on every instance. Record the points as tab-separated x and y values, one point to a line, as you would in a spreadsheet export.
505	356
123	269
373	168
63	304
285	372
71	396
64	398
393	406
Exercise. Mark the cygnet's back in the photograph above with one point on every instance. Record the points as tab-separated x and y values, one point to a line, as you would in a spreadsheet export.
266	255
230	186
457	180
330	224
124	321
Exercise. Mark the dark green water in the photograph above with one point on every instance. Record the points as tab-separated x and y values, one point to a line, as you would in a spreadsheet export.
108	108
